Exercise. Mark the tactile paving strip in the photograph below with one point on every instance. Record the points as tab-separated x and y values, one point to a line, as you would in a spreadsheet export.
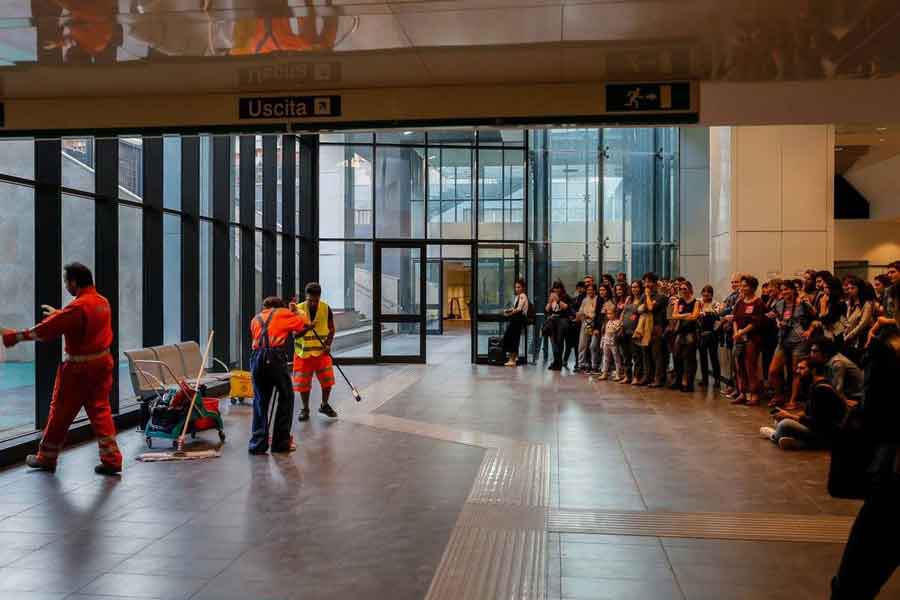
722	526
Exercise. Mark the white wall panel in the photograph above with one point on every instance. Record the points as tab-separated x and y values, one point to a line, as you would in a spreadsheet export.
694	148
758	252
803	250
720	180
694	212
720	261
758	179
696	270
806	181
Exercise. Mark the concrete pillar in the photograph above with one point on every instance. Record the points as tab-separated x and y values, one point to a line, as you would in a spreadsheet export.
771	201
693	205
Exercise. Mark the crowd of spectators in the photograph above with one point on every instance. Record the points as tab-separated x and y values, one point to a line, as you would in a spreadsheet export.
793	344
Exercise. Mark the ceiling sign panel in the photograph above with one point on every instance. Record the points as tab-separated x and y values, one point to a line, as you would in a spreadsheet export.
643	97
289	107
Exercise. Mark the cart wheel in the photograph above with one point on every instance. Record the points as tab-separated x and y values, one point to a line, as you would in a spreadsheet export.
221	436
149	442
175	443
234	401
193	435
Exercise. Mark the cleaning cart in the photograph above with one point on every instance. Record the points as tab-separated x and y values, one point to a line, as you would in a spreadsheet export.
163	416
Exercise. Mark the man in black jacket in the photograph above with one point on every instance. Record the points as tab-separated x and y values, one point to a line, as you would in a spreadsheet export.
817	424
872	552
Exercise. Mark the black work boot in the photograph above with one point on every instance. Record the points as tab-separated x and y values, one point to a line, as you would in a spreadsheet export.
304	415
108	470
326	410
35	463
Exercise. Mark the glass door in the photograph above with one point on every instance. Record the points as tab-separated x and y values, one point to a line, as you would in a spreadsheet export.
434	306
401	299
495	270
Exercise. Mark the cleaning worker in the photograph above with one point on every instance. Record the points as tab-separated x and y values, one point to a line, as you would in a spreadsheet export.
313	352
269	363
85	377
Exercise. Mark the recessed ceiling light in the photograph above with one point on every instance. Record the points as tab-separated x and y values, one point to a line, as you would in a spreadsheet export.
407	133
881	140
838	148
880	129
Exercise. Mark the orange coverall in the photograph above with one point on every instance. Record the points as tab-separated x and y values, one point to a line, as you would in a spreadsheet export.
85	378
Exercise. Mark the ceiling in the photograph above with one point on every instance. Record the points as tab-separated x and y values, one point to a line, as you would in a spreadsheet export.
864	145
62	48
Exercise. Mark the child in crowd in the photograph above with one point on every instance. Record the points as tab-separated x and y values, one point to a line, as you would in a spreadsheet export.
611	354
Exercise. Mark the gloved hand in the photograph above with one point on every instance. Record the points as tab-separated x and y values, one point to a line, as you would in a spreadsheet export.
10	338
48	310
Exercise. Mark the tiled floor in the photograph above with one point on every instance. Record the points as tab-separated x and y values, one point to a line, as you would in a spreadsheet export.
365	512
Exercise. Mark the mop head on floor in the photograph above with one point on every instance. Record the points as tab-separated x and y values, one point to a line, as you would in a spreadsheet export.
192	453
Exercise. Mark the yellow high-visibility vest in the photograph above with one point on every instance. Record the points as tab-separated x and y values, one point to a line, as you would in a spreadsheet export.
309	345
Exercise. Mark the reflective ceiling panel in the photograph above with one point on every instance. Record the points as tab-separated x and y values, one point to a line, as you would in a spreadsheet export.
90	47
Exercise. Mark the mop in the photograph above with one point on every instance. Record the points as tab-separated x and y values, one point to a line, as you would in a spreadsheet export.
180	453
353	389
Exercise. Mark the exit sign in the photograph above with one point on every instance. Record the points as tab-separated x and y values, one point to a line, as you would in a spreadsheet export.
640	97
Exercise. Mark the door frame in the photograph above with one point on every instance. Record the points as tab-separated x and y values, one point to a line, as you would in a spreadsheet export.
380	319
475	316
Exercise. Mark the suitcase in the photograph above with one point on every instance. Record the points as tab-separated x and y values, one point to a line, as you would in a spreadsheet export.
496	355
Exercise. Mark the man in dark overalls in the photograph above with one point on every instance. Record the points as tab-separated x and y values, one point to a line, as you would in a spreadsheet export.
269	366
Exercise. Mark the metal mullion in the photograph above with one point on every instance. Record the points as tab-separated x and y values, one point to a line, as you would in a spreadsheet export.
222	158
152	165
247	227
288	212
269	215
190	238
308	197
48	265
106	242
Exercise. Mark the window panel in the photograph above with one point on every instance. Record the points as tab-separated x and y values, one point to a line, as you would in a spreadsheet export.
131	287
78	163
131	169
205	296
171	279
345	192
17	267
345	272
399	192
17	158
172	172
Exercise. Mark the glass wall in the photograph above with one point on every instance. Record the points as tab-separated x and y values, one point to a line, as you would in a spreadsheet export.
603	201
187	201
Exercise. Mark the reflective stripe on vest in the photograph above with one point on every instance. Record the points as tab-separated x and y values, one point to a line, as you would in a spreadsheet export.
309	345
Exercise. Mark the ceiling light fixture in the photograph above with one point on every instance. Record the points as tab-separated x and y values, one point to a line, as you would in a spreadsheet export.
407	133
881	129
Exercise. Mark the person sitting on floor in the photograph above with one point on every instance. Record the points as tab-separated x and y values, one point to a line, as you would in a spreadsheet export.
842	373
816	425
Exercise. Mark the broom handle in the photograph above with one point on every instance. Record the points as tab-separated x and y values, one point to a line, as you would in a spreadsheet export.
340	370
196	390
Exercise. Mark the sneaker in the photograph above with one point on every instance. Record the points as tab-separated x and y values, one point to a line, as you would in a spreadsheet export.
326	410
766	432
304	415
614	379
788	443
291	447
637	382
509	364
33	462
625	381
602	377
108	470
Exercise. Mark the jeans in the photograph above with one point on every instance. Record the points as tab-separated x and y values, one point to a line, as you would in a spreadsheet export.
612	356
585	356
686	358
558	329
625	350
270	374
872	552
800	432
709	355
637	357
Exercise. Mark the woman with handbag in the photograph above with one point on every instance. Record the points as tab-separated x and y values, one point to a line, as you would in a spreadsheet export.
872	552
518	317
685	313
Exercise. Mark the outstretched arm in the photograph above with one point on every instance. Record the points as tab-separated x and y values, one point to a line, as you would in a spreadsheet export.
57	324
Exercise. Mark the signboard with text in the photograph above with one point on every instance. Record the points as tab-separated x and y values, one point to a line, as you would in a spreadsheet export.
289	107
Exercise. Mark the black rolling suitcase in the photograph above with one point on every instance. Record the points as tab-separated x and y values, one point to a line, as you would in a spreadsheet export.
496	355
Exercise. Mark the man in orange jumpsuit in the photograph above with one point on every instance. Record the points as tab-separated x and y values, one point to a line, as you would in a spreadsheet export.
269	363
312	356
85	378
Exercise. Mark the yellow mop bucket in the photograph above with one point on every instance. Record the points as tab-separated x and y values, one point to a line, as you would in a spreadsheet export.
241	386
